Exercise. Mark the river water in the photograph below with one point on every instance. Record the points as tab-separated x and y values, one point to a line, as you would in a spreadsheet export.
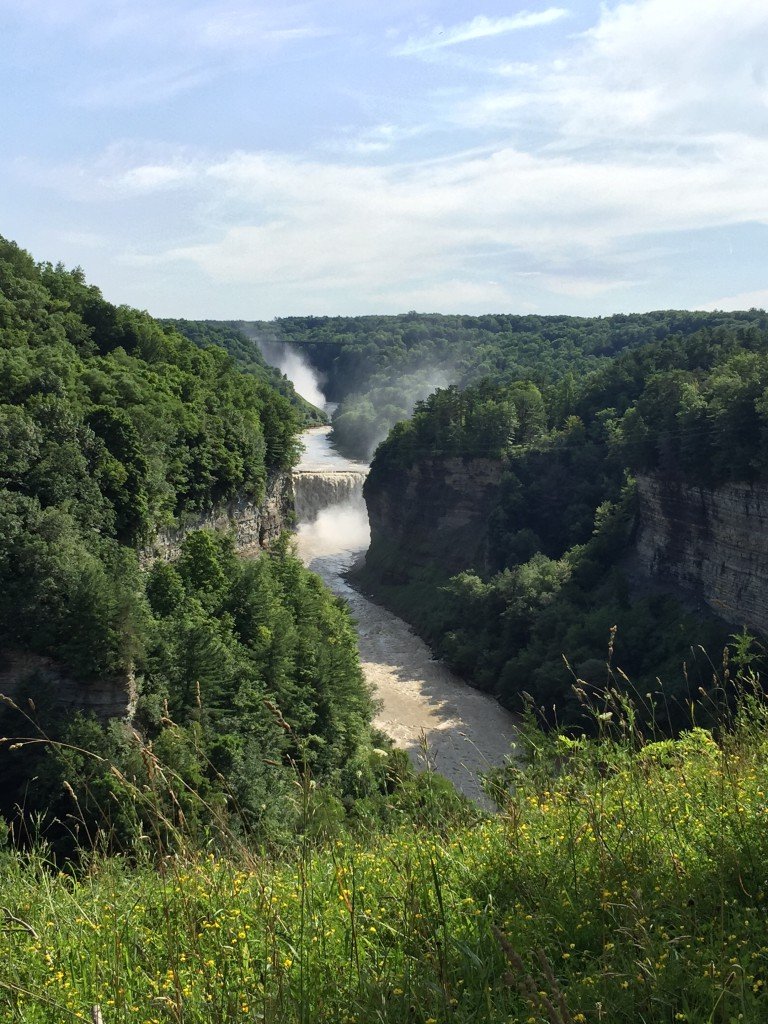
425	708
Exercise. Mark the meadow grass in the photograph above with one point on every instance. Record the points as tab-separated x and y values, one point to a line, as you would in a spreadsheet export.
621	881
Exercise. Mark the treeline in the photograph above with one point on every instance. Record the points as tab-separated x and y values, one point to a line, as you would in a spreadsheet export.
553	581
248	359
378	367
112	426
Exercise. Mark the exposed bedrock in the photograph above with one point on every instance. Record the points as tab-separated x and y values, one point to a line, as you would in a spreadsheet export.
27	677
712	544
252	526
709	546
434	511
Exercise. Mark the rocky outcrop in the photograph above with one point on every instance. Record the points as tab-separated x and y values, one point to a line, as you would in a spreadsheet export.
711	544
27	676
253	527
435	511
35	682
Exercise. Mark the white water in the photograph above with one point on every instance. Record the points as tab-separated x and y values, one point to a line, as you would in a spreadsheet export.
422	704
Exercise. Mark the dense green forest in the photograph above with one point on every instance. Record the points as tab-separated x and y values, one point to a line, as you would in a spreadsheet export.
378	367
112	426
247	848
248	359
553	579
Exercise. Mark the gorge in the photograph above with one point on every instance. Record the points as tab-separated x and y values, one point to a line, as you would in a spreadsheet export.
440	721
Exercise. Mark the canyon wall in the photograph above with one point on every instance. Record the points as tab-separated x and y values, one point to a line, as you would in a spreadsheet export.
35	683
436	510
27	676
707	546
253	527
711	544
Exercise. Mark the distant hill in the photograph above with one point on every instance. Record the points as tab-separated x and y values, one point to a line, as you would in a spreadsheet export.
378	367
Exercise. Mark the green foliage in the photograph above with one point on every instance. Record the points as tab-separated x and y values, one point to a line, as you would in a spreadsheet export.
624	879
246	669
112	426
552	581
378	367
248	358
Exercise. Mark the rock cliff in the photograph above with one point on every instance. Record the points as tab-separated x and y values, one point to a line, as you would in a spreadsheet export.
25	675
437	510
253	526
707	546
712	544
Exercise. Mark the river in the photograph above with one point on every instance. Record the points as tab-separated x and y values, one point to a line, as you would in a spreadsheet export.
425	708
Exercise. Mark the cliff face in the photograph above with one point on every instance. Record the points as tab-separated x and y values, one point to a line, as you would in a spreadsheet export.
712	544
707	545
435	511
253	526
24	675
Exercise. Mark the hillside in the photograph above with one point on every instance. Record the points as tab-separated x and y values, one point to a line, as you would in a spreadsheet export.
624	880
241	845
247	358
114	427
378	367
503	521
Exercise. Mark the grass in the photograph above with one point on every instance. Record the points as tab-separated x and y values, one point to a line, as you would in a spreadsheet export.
621	881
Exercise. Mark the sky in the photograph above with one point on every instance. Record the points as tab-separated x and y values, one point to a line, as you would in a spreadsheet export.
235	159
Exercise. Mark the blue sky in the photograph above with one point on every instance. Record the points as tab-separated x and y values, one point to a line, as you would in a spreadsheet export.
236	159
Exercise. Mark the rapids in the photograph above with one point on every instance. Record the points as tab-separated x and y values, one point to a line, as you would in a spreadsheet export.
439	720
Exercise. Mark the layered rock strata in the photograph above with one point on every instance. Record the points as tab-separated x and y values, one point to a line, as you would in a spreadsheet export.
252	526
34	682
712	544
434	511
26	676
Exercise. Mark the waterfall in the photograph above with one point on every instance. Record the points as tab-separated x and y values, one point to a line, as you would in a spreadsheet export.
317	490
466	730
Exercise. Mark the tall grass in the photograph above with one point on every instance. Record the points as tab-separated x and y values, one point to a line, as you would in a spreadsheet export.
621	880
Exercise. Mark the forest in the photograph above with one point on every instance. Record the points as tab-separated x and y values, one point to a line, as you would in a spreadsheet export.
555	577
113	426
378	367
247	847
247	358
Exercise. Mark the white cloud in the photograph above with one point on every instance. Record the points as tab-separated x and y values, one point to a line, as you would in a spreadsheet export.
121	172
744	300
153	177
118	89
649	72
651	124
352	229
378	138
180	24
480	27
